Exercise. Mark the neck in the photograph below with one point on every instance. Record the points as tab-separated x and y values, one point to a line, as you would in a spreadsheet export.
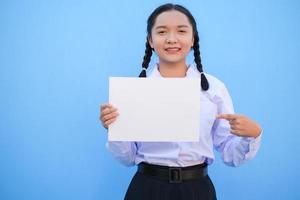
172	70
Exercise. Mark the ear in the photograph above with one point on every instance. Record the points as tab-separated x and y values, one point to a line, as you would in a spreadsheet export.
150	41
192	42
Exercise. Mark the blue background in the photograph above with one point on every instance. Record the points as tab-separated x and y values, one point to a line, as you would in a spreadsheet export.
55	60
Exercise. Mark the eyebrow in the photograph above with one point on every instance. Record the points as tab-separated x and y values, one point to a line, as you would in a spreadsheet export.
180	26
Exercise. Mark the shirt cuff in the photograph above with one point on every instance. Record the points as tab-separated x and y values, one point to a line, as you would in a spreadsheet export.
250	145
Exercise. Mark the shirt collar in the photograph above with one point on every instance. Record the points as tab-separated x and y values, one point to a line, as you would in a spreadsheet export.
191	72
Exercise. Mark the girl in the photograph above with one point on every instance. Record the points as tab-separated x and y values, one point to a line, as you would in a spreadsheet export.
169	170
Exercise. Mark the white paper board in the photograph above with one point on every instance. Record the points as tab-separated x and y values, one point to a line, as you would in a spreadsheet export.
155	109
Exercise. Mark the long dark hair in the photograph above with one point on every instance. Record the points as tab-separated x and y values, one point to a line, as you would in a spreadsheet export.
196	48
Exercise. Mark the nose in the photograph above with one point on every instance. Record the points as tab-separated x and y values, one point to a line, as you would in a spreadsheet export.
171	38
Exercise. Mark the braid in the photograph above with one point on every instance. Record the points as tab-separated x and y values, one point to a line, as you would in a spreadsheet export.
204	82
146	60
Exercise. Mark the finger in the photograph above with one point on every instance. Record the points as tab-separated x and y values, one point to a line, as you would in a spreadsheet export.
110	116
109	122
235	127
232	127
227	116
102	106
232	122
108	110
105	111
106	105
235	132
235	121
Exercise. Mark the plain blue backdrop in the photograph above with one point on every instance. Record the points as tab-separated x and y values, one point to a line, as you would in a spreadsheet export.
55	60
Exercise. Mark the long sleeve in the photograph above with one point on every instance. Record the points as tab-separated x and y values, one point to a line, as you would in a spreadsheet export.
124	152
214	133
234	150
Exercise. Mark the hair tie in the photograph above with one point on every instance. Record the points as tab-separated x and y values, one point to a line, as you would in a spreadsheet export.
144	69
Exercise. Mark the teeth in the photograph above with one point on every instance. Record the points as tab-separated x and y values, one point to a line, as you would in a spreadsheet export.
173	49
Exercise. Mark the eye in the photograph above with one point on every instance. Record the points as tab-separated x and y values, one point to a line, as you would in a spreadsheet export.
182	31
161	32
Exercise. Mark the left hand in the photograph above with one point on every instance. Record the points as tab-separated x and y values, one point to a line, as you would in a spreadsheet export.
241	125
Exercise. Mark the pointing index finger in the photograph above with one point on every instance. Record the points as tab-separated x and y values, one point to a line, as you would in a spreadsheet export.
103	106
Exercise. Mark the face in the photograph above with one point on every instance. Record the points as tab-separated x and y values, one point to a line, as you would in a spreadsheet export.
172	37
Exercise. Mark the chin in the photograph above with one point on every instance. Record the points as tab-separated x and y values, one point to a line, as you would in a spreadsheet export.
174	60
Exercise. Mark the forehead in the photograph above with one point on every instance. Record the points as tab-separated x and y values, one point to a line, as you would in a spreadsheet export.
171	18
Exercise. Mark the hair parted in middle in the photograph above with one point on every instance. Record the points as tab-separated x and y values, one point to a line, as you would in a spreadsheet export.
196	48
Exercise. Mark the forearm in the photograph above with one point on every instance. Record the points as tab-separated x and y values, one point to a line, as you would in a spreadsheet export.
238	150
124	152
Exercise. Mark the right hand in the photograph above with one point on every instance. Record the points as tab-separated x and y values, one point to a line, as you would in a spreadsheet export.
108	114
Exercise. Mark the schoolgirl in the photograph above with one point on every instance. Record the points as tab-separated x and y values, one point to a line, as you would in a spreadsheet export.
178	170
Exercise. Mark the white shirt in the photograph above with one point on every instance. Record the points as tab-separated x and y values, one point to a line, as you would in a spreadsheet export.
215	133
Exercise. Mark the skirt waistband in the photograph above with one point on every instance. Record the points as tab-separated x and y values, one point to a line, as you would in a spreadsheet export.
173	174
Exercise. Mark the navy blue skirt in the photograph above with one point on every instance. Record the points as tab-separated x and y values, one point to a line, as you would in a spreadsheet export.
144	187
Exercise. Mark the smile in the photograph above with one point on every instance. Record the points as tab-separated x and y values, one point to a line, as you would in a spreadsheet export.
172	49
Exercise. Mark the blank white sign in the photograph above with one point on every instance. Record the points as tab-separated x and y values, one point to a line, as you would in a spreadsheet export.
155	109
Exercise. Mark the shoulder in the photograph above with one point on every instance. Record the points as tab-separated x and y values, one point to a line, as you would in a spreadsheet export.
214	83
217	91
